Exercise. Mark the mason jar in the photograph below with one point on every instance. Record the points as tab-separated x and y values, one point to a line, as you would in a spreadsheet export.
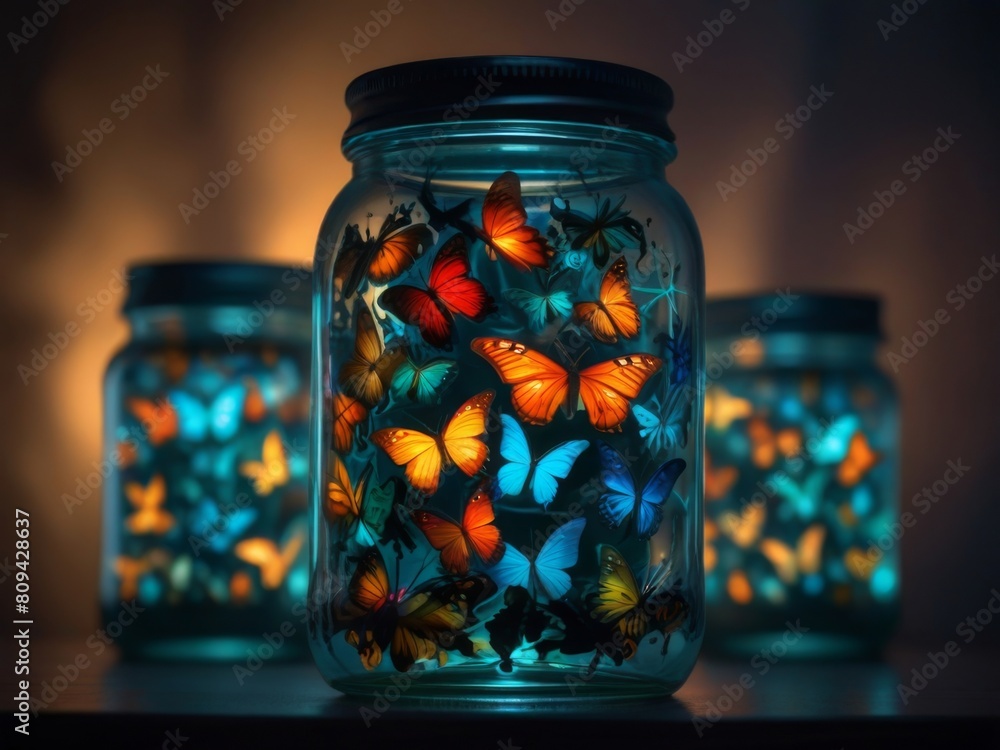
506	456
802	529
206	443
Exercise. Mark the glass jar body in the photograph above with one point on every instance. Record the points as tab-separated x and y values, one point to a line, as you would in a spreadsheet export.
206	444
472	515
801	497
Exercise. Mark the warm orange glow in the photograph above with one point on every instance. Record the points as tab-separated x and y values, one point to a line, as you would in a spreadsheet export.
273	563
860	459
721	409
719	481
272	470
857	563
739	587
240	587
149	516
744	528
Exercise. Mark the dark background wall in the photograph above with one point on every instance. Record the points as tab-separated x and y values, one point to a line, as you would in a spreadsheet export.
63	235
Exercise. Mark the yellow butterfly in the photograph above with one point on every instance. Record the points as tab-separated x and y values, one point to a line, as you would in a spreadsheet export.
744	528
272	470
274	564
149	517
805	558
721	409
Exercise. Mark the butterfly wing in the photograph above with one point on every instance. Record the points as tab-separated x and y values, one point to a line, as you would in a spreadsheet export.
654	495
417	307
368	590
559	553
343	501
347	413
744	528
397	252
370	369
450	283
553	466
650	427
617	593
513	447
859	460
478	528
192	416
514	569
539	385
506	229
607	387
614	313
418	452
272	470
540	309
226	412
619	499
462	437
423	383
445	536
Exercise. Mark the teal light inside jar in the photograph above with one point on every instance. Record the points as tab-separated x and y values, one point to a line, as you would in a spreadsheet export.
205	537
801	485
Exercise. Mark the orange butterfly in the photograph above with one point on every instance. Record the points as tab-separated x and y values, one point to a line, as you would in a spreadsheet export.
505	229
540	386
149	517
460	443
806	558
367	374
159	419
614	313
343	498
274	563
718	481
766	442
382	258
272	470
457	542
859	461
347	413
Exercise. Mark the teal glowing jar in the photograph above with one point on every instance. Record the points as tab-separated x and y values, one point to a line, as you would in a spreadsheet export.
801	478
206	443
506	486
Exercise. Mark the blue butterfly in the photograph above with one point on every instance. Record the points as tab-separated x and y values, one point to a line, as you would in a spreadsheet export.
621	499
423	383
541	309
195	420
220	531
664	426
544	473
546	574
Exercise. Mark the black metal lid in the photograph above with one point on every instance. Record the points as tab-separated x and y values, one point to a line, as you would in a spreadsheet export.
193	283
791	311
510	88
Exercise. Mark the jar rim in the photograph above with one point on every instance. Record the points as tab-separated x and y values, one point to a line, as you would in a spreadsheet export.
217	283
508	87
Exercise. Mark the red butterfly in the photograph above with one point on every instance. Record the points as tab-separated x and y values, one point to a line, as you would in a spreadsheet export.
450	291
457	542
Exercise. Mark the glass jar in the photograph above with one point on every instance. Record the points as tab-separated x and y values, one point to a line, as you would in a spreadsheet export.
506	486
801	485
206	440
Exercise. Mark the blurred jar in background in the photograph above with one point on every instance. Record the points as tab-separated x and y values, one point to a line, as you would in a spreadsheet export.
801	486
206	428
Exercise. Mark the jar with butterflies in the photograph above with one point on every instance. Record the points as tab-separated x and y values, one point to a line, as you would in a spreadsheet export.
205	467
506	477
801	478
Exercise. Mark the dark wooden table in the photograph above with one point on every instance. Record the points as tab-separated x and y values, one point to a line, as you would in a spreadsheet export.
828	705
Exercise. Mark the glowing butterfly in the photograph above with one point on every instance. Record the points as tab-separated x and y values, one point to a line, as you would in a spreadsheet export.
367	374
149	517
426	456
622	501
346	414
721	409
607	230
131	569
450	291
718	482
220	530
456	542
254	408
859	461
361	508
411	625
272	470
738	587
614	313
634	611
664	427
744	528
766	443
220	419
832	442
273	563
541	387
159	419
423	383
805	498
805	558
544	473
541	309
382	258
547	573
